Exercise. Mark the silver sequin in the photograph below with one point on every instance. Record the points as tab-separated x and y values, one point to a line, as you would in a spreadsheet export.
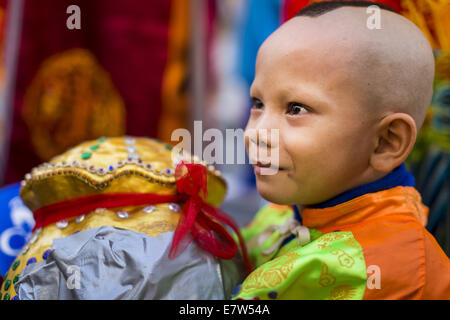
123	214
149	209
80	219
34	237
62	224
174	207
25	249
133	156
131	149
100	210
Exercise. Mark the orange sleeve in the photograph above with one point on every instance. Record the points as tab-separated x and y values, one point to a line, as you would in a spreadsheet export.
437	270
395	246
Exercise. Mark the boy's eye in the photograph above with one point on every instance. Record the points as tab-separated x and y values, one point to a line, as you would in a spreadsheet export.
257	104
295	108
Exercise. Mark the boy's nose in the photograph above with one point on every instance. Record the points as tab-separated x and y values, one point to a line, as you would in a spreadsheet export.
263	138
263	132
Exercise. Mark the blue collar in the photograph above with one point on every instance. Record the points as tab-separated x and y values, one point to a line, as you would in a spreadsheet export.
400	176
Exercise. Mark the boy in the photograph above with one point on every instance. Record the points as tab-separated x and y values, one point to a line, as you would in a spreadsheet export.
347	101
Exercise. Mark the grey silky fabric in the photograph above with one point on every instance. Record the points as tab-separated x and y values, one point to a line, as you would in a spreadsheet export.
110	263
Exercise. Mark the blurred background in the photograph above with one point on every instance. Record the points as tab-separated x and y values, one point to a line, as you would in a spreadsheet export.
146	68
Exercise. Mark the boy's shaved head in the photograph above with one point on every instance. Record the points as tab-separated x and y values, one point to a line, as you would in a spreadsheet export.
346	101
391	67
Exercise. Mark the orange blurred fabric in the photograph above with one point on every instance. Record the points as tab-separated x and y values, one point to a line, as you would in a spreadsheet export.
174	84
390	227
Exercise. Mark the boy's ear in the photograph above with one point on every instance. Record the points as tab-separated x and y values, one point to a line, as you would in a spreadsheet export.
396	135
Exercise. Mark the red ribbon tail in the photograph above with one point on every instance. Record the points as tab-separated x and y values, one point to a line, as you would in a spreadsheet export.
206	238
228	220
183	236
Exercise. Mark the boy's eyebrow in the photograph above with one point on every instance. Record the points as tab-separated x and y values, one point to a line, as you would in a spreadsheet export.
308	97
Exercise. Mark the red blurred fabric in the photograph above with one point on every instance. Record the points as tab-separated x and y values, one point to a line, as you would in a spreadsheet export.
291	7
128	38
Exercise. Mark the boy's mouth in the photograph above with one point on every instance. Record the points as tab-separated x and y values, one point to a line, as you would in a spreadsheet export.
265	168
263	165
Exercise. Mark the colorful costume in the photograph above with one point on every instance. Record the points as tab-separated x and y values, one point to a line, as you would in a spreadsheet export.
106	212
367	243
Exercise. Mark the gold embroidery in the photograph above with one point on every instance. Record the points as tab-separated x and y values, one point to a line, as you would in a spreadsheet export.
344	259
156	227
328	238
352	243
326	278
270	274
343	292
288	248
272	277
253	281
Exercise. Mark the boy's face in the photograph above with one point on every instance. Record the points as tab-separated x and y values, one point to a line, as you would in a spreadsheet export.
309	91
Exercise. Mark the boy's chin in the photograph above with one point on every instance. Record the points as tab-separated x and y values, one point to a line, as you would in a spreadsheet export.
275	195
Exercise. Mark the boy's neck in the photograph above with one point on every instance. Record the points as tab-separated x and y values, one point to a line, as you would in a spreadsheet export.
400	176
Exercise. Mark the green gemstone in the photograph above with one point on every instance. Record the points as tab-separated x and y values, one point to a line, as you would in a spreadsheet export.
16	264
86	155
16	278
6	296
7	284
168	147
94	147
102	139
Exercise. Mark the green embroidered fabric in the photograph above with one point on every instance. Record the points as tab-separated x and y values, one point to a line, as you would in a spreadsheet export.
331	266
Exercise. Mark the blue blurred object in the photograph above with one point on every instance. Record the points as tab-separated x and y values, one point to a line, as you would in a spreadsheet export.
16	222
432	181
260	20
263	18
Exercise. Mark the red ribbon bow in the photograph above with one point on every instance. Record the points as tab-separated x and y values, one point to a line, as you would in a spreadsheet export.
198	221
201	221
